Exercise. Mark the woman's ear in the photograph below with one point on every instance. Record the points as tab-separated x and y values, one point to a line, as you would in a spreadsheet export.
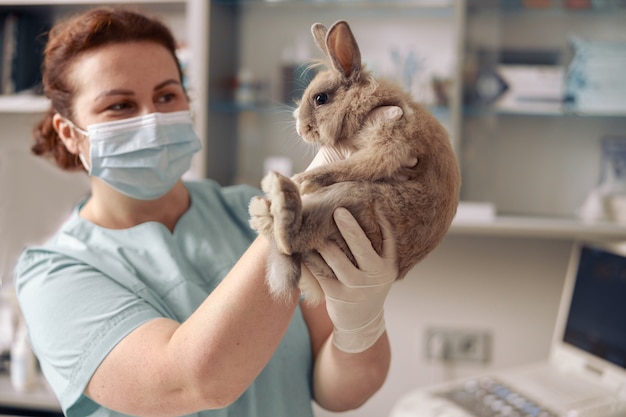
70	138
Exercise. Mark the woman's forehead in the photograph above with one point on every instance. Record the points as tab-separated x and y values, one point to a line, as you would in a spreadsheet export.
132	65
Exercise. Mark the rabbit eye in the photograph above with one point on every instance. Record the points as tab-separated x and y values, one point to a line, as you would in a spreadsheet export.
321	98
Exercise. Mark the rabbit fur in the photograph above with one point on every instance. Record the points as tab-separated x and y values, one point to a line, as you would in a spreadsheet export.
376	180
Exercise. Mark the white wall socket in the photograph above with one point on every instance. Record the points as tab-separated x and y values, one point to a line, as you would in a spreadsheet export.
457	345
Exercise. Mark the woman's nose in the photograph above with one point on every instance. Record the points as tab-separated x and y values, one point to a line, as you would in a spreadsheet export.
148	108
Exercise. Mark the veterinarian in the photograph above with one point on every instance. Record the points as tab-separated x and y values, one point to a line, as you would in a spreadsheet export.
150	300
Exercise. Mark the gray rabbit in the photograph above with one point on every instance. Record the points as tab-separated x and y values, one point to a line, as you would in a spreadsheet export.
418	201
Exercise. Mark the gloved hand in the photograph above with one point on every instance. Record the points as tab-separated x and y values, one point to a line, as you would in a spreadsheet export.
328	154
355	300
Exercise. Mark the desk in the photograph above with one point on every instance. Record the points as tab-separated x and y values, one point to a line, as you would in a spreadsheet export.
37	402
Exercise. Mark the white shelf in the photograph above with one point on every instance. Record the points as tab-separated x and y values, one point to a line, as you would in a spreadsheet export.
23	104
538	227
539	110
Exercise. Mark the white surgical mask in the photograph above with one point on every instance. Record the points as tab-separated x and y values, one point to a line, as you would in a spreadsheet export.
141	157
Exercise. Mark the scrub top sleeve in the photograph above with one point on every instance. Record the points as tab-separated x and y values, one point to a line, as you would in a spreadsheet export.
76	316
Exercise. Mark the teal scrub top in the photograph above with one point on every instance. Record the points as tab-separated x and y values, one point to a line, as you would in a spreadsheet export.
88	287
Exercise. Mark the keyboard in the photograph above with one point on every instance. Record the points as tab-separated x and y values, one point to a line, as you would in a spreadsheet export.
488	397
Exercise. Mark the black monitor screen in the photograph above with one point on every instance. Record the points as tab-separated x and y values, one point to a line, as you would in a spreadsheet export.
597	316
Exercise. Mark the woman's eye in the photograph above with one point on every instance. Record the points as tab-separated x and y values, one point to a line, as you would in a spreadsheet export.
166	98
321	98
119	106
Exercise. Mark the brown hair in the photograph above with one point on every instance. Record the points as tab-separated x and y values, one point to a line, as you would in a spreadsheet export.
67	41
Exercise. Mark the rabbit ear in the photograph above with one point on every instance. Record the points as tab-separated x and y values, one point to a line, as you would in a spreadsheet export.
319	35
343	50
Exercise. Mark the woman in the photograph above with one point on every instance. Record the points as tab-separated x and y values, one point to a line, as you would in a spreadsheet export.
151	299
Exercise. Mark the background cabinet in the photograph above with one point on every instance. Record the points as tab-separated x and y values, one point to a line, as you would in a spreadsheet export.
526	152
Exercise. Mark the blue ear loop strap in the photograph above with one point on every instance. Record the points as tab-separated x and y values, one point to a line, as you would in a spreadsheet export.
84	133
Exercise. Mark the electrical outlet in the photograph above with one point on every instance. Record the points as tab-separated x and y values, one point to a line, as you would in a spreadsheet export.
458	345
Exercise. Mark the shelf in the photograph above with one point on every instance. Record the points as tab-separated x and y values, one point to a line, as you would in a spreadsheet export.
538	227
539	111
26	103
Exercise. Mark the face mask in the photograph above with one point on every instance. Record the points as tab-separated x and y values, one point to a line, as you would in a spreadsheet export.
142	157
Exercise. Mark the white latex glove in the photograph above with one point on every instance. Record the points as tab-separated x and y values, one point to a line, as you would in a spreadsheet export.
355	300
328	154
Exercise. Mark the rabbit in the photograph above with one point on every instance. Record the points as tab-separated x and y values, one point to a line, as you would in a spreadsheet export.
418	201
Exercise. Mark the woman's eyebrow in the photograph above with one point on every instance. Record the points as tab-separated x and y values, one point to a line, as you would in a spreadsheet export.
122	92
114	92
166	83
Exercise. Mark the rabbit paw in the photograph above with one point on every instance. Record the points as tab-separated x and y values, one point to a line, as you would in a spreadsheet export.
308	187
307	183
285	208
260	217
